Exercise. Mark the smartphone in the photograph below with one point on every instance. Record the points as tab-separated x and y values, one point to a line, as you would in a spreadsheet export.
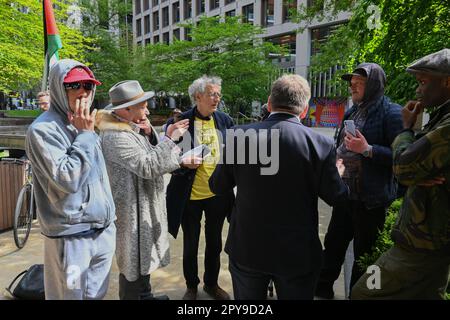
350	127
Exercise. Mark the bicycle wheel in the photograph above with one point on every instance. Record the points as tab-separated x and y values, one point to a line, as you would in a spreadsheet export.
23	216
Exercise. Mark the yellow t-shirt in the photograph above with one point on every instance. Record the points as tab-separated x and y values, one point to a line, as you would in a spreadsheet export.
205	133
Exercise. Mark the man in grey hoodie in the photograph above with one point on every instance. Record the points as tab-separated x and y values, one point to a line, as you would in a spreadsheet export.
72	192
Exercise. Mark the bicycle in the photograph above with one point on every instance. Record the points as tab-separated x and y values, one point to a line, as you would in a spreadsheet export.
25	209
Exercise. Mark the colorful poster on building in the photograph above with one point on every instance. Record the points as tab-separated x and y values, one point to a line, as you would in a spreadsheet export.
325	112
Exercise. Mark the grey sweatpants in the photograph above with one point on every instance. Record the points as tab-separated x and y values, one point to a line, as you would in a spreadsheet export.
77	268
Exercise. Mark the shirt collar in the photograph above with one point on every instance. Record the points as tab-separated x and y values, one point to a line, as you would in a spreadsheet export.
291	114
198	115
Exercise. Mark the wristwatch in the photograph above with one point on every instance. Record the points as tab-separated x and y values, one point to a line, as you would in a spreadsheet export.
368	152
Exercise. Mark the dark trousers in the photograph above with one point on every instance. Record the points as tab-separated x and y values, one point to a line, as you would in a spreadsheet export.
135	290
250	284
215	209
351	220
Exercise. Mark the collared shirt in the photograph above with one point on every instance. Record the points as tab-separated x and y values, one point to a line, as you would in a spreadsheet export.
275	112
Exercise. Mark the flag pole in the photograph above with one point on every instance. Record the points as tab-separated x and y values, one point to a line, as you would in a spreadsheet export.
45	71
52	40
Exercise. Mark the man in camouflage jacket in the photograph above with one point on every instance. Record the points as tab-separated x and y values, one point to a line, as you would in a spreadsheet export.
418	265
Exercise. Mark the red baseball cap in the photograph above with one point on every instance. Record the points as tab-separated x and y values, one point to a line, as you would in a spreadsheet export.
80	74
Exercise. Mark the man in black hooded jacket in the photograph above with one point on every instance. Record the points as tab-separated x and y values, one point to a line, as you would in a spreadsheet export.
367	157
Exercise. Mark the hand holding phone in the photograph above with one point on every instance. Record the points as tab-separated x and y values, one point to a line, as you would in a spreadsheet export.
350	127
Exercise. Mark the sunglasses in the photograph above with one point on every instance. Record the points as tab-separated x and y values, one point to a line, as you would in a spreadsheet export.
77	85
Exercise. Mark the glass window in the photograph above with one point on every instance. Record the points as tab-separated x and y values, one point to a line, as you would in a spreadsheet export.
176	12
187	35
289	6
267	7
165	17
247	14
147	24
138	28
230	13
137	6
200	6
176	34
155	21
214	4
166	38
146	4
155	39
187	9
319	36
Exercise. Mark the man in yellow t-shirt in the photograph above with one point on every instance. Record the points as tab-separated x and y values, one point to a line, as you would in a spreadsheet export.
188	193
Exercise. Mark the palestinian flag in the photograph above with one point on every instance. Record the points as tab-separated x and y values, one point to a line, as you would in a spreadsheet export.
52	40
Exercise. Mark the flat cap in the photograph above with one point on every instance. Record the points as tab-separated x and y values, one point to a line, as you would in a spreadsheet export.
437	63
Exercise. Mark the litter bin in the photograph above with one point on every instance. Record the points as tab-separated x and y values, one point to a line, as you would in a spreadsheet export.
12	179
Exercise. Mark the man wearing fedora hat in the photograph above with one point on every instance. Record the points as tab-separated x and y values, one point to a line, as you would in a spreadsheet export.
367	157
136	160
418	265
73	197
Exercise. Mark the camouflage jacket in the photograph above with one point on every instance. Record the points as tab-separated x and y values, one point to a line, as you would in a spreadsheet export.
424	219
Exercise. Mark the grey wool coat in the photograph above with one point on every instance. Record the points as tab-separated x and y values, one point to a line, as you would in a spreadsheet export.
136	168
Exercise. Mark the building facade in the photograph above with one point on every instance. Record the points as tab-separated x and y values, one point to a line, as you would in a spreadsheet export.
156	21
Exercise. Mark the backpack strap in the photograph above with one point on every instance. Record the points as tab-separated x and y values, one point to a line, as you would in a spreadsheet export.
12	282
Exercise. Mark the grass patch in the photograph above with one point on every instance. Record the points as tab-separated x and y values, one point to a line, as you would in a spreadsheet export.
22	113
4	153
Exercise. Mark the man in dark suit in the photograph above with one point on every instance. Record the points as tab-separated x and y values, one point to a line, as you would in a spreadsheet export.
273	232
188	193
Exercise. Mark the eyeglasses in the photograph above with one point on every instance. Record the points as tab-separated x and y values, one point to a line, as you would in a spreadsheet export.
214	94
77	85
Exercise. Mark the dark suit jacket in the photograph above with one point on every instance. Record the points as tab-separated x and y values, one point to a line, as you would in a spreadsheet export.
274	224
180	185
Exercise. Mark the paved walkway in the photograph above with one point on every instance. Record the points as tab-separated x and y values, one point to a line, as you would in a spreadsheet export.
168	280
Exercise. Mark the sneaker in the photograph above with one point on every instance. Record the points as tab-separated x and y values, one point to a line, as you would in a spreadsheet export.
216	292
190	294
324	291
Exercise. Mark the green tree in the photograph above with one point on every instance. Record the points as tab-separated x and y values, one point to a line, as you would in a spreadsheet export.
231	50
111	55
407	30
22	42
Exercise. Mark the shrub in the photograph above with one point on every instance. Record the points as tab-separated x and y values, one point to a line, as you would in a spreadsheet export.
384	241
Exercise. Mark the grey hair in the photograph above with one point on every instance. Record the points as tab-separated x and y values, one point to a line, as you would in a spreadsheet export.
43	94
291	93
199	85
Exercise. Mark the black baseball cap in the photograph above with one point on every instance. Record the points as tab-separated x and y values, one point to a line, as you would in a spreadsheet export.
356	72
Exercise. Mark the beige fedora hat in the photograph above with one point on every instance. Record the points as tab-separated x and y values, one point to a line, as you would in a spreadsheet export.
127	93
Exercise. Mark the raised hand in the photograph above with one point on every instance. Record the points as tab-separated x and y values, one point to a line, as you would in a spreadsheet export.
80	118
176	130
410	112
356	144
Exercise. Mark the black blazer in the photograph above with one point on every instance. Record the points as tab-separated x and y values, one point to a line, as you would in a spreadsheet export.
180	185
274	224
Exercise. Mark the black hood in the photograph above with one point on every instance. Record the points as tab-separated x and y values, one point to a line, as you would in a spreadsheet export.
376	80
